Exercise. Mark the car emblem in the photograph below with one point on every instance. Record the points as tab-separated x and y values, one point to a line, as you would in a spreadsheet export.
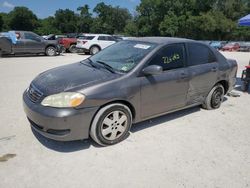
31	91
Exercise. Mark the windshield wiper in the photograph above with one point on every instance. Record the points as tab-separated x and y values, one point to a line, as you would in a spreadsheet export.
89	62
107	66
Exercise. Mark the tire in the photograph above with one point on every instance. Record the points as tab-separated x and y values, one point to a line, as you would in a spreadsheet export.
94	50
50	51
245	86
73	49
1	53
111	131
214	98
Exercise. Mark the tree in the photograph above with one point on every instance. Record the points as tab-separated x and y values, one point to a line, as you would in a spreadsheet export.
66	21
21	18
85	19
131	28
47	26
110	19
169	26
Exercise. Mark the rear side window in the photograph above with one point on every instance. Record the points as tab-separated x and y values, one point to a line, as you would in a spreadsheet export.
86	37
170	57
101	38
199	54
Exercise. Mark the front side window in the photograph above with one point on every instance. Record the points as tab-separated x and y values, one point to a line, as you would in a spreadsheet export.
170	57
125	55
199	54
31	36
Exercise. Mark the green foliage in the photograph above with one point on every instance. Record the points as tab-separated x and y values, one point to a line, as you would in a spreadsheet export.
110	19
47	26
21	18
85	19
66	21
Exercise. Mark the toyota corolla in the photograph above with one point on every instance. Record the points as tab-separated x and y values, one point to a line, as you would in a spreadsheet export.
128	82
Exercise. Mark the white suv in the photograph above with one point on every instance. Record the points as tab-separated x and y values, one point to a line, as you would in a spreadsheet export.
93	43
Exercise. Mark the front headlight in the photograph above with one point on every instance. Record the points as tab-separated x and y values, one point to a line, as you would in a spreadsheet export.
64	100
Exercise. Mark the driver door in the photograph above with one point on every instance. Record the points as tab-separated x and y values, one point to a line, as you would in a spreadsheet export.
168	90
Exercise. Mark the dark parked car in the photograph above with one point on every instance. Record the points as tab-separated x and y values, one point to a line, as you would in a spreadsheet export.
128	82
218	44
27	42
244	47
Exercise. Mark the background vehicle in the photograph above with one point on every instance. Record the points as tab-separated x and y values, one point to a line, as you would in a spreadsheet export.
94	43
232	46
244	47
218	44
27	42
111	90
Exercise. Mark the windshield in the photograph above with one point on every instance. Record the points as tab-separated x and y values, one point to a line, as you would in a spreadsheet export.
123	56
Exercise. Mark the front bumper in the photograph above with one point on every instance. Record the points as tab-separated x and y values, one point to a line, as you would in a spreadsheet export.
65	124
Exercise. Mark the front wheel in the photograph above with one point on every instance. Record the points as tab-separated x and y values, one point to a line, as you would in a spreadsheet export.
50	51
111	124
214	98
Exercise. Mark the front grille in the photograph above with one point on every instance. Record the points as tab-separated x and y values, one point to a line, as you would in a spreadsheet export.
34	94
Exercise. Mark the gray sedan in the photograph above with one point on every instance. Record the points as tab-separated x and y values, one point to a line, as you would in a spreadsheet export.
128	82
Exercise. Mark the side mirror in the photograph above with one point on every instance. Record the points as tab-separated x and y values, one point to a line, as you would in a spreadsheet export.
152	70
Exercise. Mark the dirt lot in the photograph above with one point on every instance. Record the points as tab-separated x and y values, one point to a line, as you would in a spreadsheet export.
190	148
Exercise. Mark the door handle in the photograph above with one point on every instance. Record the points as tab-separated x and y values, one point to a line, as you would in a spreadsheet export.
183	76
214	69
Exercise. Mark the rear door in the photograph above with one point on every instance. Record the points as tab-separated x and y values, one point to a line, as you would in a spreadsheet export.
105	41
203	70
19	47
168	90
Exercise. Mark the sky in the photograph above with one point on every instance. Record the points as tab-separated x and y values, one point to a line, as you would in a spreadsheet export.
45	8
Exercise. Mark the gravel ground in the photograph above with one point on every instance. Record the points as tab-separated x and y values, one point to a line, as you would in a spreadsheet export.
190	148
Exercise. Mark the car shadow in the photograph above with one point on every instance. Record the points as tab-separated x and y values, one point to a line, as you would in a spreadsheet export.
164	118
64	147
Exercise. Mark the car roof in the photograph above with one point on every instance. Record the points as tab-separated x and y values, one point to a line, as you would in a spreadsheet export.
161	40
92	34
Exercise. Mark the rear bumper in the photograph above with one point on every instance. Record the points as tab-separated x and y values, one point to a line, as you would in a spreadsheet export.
59	124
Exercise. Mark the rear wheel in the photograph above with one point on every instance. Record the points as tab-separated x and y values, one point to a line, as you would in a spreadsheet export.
50	51
94	50
73	49
245	86
111	124
214	98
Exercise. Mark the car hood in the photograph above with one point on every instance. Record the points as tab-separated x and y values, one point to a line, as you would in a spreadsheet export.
72	77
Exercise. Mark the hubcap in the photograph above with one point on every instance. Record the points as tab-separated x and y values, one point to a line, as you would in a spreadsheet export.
114	125
51	51
95	50
217	97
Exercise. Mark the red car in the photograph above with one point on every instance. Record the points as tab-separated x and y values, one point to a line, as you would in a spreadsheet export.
69	42
232	46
